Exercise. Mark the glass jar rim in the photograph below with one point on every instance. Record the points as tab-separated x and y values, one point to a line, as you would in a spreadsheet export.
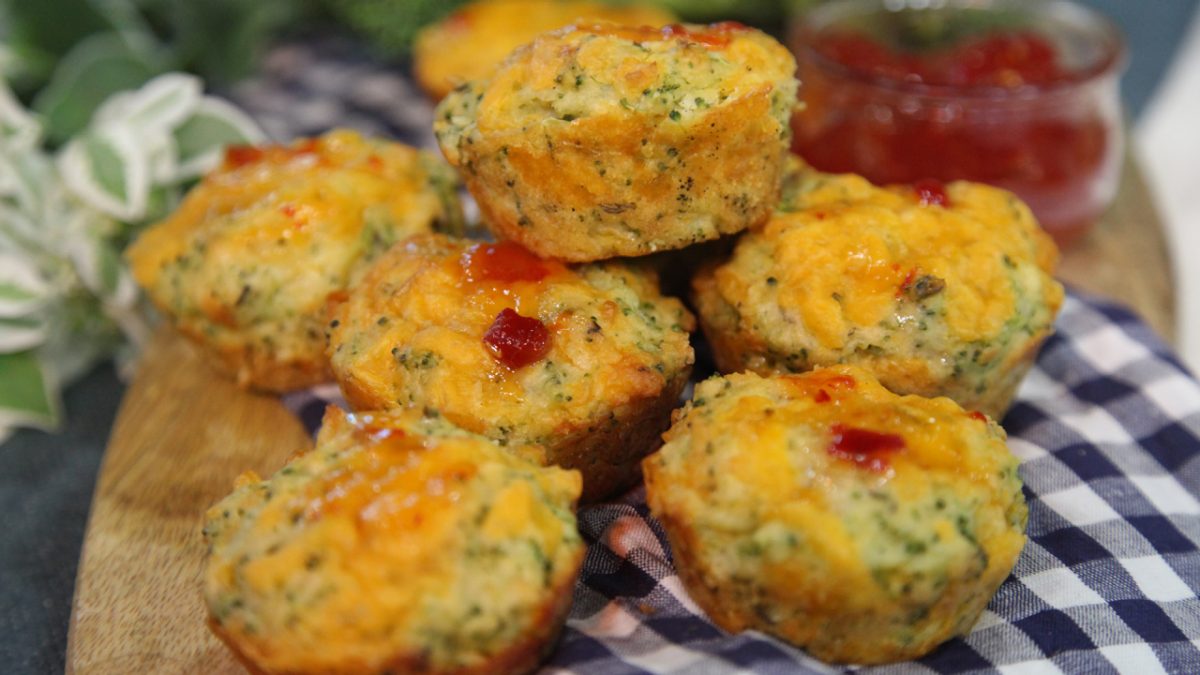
1112	58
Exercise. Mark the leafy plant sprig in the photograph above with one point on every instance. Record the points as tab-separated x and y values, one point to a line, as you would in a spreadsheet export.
66	297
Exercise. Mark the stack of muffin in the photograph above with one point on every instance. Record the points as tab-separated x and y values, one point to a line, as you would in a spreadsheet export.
820	492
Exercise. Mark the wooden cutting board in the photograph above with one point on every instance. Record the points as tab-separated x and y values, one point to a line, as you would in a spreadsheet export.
181	437
183	434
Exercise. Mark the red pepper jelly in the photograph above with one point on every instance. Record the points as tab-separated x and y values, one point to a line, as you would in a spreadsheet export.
1013	93
504	262
866	448
517	341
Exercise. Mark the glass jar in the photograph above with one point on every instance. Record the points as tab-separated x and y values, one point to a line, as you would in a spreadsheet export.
903	90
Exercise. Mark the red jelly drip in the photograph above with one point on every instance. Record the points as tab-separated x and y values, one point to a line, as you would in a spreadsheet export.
908	280
714	35
516	340
976	415
840	381
866	448
821	396
931	192
240	155
504	262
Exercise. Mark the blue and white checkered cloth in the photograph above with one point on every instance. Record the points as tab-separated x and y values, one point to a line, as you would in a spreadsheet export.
1107	427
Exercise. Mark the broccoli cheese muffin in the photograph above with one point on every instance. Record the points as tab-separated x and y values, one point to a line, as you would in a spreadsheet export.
937	291
398	544
471	42
244	266
598	140
587	362
821	508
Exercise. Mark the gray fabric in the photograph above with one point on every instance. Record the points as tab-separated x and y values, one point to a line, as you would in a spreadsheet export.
46	484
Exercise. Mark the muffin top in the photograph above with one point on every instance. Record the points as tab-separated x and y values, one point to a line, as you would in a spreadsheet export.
939	290
253	251
503	343
881	496
399	541
601	70
472	41
851	253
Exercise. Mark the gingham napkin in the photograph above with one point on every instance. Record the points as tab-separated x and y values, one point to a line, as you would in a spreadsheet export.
1107	426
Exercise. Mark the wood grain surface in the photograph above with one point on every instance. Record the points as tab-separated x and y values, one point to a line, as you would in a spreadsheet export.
183	434
1126	257
181	437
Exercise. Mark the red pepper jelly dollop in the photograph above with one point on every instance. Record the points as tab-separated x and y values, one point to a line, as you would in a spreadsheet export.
504	262
931	192
515	340
866	448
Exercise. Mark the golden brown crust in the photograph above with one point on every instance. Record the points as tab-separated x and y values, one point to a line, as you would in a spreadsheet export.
610	457
523	656
253	369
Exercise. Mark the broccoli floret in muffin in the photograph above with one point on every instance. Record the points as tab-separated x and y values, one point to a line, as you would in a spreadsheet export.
586	361
245	264
939	299
398	544
863	526
599	140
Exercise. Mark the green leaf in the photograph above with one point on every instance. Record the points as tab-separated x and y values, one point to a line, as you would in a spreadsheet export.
18	129
55	25
22	290
108	170
16	299
97	68
107	166
159	105
20	333
202	138
27	397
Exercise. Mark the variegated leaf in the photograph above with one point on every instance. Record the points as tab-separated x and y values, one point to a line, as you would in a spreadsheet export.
160	105
202	138
22	288
106	169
